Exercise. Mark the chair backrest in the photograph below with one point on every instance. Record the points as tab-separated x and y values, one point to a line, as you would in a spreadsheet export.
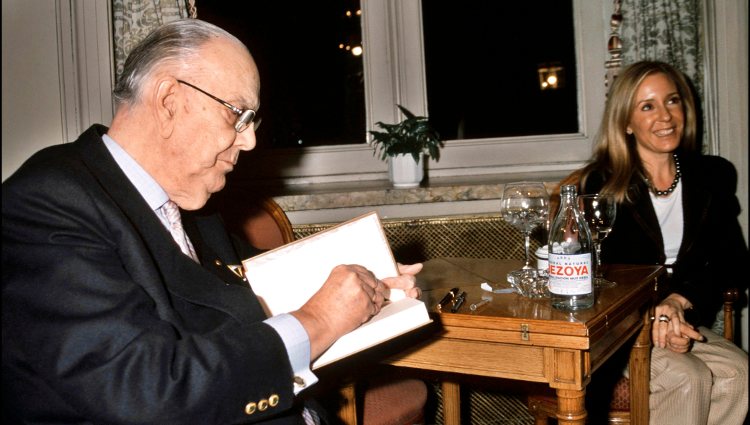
267	226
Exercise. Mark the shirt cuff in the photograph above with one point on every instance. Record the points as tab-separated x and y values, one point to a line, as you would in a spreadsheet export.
297	344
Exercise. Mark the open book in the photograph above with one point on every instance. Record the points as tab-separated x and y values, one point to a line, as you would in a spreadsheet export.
286	277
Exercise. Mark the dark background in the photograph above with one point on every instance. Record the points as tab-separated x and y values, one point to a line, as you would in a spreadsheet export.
481	67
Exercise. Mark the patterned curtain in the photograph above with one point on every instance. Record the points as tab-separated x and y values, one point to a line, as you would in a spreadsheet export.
666	30
134	19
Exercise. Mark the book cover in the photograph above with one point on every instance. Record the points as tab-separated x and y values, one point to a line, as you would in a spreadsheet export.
286	277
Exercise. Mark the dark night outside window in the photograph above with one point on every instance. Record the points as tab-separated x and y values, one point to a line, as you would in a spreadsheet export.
312	91
481	66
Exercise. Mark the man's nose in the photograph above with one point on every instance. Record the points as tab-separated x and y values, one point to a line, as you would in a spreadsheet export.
246	140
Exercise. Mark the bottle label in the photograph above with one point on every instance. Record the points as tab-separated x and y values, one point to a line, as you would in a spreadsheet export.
570	274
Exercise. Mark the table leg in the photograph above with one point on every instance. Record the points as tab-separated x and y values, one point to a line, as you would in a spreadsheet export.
347	412
451	403
640	373
571	408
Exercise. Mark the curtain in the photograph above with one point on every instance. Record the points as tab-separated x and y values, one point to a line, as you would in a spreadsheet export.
134	19
665	30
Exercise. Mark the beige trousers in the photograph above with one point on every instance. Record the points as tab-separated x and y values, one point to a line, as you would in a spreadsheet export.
708	385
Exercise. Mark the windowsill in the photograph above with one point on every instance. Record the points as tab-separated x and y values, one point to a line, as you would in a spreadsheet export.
378	193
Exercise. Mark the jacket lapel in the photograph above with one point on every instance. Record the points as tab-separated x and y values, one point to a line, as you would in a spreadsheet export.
180	275
644	215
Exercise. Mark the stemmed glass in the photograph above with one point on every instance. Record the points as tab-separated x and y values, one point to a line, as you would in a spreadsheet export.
599	212
525	205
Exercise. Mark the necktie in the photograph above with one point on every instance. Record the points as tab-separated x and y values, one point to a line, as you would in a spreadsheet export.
172	212
310	416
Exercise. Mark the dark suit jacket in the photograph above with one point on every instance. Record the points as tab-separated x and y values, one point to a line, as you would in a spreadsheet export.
713	250
104	320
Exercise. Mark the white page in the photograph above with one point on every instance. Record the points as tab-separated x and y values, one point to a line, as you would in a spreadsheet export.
286	277
306	264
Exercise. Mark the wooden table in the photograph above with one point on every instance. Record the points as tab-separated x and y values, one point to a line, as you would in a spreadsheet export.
518	338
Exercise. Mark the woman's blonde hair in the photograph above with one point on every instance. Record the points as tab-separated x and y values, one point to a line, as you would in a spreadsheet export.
615	154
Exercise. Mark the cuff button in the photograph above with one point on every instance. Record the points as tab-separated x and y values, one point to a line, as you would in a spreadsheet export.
273	400
250	408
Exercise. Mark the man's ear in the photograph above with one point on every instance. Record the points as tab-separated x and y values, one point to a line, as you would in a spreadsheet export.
165	103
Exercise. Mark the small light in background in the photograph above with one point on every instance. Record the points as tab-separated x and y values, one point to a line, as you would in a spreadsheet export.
551	76
352	39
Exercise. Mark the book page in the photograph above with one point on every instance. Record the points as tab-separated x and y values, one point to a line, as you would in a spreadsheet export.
286	277
300	268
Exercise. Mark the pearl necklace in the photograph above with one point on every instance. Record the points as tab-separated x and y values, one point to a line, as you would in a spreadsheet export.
676	180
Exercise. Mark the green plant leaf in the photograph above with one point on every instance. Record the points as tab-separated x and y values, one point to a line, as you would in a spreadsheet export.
413	135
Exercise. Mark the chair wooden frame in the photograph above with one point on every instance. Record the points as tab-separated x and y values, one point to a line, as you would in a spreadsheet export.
257	229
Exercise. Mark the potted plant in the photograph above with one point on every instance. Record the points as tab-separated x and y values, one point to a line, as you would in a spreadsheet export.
404	146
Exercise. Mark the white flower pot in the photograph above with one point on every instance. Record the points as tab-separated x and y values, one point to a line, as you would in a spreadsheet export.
403	171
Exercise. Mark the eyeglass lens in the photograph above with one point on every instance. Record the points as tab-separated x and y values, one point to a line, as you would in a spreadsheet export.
246	119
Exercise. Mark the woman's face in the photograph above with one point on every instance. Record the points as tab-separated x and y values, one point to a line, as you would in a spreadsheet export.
657	120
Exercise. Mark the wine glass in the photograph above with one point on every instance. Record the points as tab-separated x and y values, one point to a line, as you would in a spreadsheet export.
525	205
599	212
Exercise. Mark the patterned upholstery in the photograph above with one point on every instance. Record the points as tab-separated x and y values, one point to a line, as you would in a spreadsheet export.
394	402
420	239
621	396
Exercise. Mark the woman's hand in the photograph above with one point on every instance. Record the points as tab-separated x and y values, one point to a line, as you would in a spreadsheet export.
670	330
406	280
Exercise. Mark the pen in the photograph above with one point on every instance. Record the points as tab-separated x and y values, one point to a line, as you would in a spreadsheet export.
458	302
447	298
478	304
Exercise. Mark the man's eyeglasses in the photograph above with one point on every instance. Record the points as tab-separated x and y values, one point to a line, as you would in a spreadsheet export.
245	117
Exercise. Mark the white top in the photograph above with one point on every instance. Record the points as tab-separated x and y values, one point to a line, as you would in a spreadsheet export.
669	212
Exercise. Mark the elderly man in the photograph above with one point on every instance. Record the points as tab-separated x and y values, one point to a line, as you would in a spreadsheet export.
119	309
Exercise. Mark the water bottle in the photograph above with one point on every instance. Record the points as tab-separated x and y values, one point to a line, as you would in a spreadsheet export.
571	283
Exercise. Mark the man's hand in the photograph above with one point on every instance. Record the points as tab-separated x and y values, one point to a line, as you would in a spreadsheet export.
349	297
406	280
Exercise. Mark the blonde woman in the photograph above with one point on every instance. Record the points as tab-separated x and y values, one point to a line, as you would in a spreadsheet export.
678	208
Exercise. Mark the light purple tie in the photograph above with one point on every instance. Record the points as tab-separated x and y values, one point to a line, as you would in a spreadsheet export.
172	212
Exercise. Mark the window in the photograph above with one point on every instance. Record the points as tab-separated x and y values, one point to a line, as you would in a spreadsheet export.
396	69
489	66
310	62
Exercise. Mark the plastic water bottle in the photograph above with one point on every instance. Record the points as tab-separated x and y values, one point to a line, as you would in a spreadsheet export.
571	283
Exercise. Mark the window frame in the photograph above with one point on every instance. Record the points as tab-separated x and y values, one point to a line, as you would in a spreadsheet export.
394	73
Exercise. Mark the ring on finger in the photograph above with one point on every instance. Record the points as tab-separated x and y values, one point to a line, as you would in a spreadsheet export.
664	318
